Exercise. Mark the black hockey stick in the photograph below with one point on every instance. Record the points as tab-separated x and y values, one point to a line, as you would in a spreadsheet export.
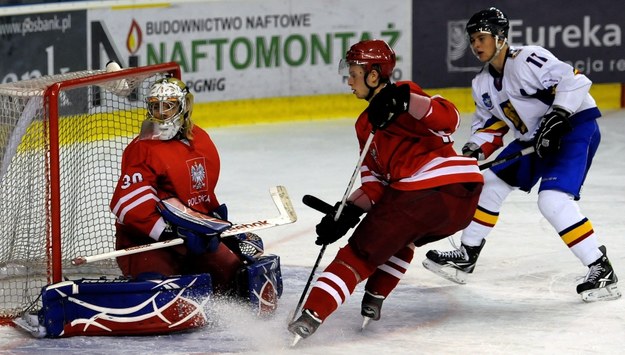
326	208
513	156
323	207
317	204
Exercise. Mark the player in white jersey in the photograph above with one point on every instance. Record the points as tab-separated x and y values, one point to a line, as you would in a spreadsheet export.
545	103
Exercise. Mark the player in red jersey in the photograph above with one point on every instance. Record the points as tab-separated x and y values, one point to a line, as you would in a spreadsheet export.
415	188
171	157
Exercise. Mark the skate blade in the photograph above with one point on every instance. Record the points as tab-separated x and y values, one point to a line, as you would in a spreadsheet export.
30	323
610	292
296	339
365	321
446	272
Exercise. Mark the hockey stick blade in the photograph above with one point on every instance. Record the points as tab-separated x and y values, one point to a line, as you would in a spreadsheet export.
279	195
283	203
317	204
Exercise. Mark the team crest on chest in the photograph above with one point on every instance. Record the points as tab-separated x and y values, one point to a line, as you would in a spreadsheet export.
197	172
487	101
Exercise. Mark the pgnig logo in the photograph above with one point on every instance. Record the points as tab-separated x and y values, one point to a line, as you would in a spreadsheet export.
459	56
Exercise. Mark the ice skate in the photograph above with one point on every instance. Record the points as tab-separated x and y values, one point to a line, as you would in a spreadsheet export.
304	326
454	265
371	308
600	281
30	323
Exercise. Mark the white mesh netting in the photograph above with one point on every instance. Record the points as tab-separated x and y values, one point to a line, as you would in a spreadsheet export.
96	120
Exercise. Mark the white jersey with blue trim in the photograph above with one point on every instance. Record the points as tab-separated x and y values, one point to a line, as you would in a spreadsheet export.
533	81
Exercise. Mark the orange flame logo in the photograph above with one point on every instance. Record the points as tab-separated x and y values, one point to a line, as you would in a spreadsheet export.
133	41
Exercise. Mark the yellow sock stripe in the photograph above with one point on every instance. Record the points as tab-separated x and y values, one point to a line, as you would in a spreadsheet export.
577	232
485	217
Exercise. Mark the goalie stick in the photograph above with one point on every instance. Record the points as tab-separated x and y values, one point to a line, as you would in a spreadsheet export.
279	195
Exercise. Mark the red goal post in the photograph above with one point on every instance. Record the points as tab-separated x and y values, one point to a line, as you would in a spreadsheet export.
61	141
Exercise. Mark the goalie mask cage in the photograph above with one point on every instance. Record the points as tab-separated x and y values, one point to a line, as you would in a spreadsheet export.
61	142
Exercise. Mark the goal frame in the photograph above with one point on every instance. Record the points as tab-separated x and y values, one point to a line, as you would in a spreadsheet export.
51	108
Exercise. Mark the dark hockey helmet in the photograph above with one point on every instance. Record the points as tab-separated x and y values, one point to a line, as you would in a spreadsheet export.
491	20
371	54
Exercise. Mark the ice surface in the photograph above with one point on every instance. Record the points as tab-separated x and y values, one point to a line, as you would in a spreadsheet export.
520	300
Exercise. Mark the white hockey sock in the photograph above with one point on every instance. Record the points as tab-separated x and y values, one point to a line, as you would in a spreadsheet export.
492	197
562	212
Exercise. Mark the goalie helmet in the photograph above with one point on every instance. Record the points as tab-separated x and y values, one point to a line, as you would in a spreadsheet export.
371	54
169	105
491	20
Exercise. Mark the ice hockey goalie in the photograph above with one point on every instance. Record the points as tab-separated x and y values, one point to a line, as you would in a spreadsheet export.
155	304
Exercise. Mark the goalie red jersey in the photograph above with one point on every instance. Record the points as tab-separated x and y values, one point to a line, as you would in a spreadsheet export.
155	169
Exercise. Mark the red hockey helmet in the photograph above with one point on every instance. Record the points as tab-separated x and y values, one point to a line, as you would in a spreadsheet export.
371	54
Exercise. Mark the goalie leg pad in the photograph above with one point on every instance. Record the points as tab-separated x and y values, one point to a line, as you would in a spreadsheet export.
125	307
261	283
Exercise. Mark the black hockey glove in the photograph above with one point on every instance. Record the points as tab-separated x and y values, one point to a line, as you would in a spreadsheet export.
387	104
550	132
329	230
473	150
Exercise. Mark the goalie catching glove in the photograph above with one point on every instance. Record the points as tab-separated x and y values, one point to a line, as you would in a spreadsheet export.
329	230
550	132
199	232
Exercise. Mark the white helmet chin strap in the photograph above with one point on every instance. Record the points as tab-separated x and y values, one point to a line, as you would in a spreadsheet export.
498	47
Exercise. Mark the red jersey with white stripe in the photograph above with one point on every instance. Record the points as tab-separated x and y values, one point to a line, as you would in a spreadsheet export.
153	170
414	154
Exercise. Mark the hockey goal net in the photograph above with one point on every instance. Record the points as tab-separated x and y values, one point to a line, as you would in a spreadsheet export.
61	142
